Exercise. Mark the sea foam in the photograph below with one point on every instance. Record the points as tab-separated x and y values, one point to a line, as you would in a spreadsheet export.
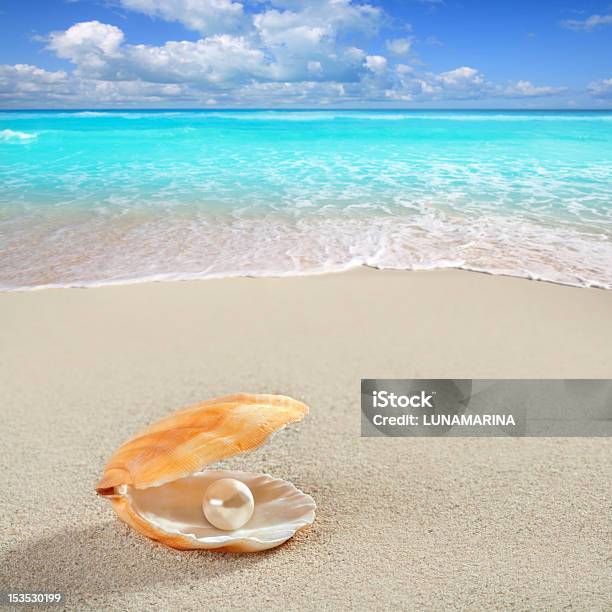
16	136
114	197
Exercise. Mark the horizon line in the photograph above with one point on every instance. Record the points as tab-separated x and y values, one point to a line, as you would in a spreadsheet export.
300	109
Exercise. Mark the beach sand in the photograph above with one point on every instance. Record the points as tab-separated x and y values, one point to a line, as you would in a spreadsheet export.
403	522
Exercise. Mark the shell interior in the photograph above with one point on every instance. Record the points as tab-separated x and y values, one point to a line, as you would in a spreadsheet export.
175	508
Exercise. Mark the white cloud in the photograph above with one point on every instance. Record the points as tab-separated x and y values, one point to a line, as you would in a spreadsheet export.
218	60
89	44
588	24
460	83
229	17
25	82
403	69
601	88
125	91
460	77
98	53
278	52
315	68
232	85
289	30
32	75
526	89
469	83
399	46
346	15
281	45
463	83
204	16
376	63
296	34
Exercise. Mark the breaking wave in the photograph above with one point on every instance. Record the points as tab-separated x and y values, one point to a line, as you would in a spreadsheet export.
114	197
125	249
16	136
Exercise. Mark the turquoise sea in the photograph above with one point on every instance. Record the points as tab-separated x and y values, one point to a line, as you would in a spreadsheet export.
90	198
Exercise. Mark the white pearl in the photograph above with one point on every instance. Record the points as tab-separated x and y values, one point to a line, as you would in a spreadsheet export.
228	504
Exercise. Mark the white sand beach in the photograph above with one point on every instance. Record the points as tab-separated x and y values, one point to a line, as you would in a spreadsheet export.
488	523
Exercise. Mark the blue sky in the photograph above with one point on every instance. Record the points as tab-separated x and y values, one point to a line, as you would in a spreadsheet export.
306	53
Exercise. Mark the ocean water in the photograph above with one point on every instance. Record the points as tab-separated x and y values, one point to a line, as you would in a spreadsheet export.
89	198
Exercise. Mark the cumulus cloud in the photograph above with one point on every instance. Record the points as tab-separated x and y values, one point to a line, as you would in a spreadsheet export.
24	82
284	41
588	24
376	63
601	89
346	15
461	77
216	60
26	74
278	52
526	89
464	82
204	16
399	46
300	36
89	44
98	52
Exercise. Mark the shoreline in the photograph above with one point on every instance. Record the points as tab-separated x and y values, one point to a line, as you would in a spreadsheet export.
179	278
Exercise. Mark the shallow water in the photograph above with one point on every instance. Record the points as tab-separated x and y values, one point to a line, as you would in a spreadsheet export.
102	197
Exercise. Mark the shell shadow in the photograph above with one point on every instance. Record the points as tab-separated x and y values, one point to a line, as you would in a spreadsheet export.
108	557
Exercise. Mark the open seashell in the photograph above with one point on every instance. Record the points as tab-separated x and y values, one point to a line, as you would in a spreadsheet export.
157	479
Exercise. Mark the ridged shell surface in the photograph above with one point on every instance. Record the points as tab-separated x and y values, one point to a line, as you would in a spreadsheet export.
188	440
